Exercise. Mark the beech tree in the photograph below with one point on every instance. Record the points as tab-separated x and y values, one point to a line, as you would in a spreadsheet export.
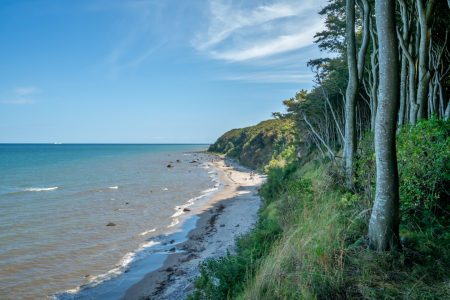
384	221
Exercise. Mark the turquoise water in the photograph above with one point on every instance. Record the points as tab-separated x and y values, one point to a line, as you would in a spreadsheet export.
56	200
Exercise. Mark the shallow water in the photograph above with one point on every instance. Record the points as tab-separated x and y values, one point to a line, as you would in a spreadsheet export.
56	200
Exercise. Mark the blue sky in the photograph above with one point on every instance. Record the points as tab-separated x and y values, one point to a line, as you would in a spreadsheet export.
165	71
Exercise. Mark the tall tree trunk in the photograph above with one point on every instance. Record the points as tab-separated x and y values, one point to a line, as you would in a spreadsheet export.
404	68
425	17
384	221
352	90
374	103
413	107
366	40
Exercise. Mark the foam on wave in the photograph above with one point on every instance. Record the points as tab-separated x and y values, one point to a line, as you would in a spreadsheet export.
40	189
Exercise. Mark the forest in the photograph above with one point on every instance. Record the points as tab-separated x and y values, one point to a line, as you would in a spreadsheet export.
357	200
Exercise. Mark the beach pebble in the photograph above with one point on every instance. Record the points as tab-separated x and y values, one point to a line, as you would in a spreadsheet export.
169	269
237	225
188	257
181	272
222	225
218	241
111	224
189	287
170	166
186	209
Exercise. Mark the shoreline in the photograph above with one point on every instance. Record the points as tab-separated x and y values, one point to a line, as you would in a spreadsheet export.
121	276
229	212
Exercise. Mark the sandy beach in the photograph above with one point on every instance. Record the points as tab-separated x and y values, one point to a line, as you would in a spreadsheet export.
230	212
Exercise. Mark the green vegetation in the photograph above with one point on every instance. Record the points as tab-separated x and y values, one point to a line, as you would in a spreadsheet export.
325	209
311	240
269	144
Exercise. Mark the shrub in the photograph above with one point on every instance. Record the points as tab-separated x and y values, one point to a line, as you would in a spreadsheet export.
424	167
423	154
225	276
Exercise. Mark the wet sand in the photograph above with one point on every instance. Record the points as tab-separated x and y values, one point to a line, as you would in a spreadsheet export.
230	212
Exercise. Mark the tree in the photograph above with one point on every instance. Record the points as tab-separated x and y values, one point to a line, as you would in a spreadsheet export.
352	91
425	19
384	221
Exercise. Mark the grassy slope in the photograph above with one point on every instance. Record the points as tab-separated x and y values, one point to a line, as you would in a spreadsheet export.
311	239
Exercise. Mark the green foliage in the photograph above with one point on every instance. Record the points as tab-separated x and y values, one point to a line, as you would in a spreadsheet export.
424	168
276	181
270	143
226	276
423	154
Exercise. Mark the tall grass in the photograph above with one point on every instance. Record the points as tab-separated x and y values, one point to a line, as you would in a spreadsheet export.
308	260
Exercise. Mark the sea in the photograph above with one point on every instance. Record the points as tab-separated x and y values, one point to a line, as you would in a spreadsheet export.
56	201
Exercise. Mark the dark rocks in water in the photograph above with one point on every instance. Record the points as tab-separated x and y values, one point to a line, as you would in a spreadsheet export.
173	249
170	166
237	225
186	209
178	161
172	241
111	224
194	161
127	203
164	244
188	257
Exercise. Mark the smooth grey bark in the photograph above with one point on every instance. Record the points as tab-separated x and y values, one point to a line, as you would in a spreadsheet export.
425	17
374	98
384	221
404	68
352	90
366	40
414	107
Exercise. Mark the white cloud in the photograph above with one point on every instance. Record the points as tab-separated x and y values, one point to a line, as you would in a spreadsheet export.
23	91
272	77
238	33
22	95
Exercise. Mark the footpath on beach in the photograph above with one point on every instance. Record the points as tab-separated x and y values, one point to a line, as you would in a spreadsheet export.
232	211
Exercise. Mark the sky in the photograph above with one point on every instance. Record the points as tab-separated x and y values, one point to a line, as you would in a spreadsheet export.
149	71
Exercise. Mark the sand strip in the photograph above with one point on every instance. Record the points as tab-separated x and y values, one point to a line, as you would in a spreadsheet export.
230	212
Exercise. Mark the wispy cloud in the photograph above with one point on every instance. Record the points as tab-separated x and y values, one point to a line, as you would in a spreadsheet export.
238	33
22	95
136	38
272	77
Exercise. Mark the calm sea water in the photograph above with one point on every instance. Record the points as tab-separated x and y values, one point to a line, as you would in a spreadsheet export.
56	200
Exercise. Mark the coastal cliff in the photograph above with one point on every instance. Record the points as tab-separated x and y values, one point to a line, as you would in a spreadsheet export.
270	143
